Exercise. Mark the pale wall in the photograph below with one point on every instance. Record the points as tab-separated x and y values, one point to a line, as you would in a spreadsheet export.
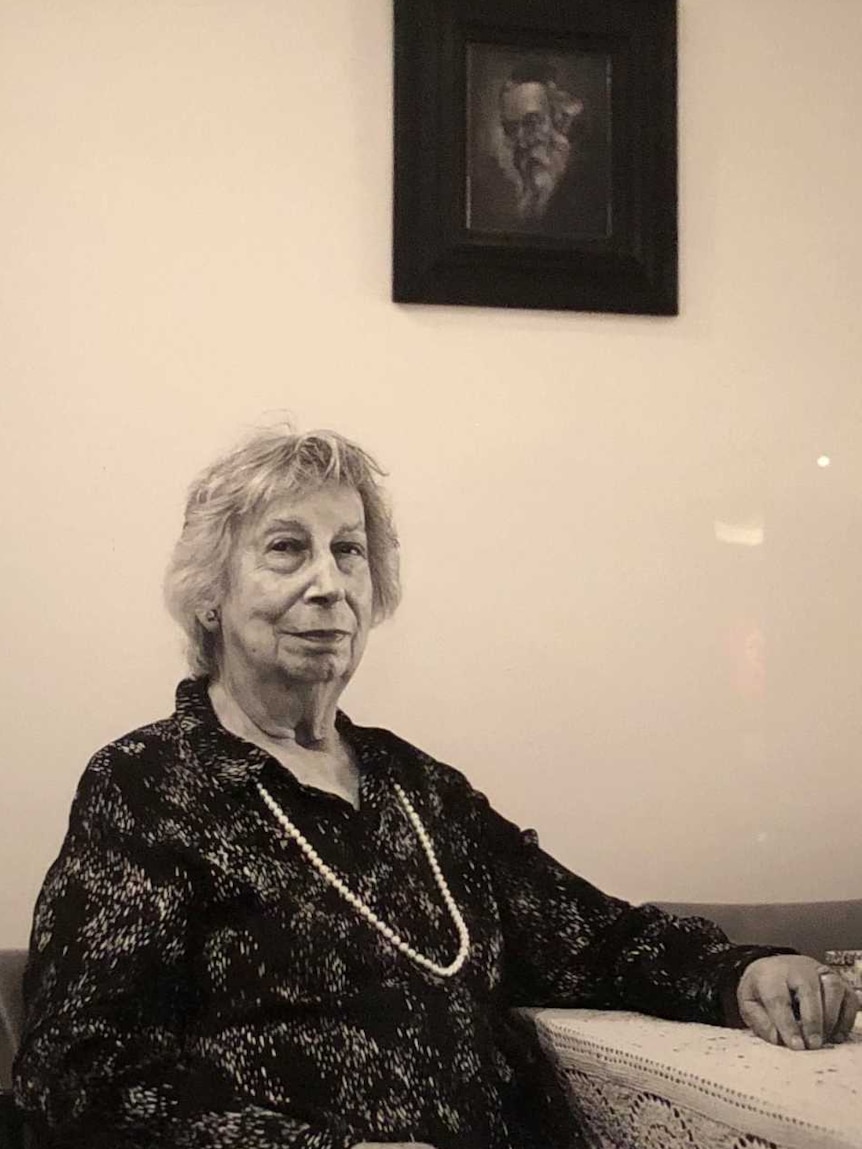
195	212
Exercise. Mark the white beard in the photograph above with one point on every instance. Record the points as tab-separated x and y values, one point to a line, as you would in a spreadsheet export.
535	188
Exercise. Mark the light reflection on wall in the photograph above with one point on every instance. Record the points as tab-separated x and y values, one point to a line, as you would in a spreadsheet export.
746	638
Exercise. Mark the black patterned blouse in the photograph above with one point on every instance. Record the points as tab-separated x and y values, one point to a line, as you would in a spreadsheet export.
194	983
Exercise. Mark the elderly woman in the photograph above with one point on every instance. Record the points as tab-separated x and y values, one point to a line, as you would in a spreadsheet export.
270	927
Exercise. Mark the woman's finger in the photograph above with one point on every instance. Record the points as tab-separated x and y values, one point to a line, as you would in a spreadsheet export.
758	1021
832	991
809	997
776	1002
847	1016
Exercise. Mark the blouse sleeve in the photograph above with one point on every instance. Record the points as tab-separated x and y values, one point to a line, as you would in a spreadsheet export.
568	944
102	1062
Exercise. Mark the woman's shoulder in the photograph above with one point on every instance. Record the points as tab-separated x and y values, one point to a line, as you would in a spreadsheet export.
164	741
143	766
147	746
411	764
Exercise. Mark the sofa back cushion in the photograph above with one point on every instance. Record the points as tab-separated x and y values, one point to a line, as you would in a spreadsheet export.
810	927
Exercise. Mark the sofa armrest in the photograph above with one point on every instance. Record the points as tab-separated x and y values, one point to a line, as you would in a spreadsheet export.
13	1134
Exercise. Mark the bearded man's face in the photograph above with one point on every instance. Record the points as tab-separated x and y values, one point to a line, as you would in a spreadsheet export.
525	114
537	153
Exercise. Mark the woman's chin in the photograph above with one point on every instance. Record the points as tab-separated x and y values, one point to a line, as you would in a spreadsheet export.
322	667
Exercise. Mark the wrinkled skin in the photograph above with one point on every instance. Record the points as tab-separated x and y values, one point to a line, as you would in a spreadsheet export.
825	1004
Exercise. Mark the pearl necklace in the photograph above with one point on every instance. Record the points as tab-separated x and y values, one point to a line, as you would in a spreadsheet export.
357	903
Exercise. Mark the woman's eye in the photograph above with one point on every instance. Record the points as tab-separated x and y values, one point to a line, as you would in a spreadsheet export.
355	549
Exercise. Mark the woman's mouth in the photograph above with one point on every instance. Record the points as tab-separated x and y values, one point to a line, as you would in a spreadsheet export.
321	637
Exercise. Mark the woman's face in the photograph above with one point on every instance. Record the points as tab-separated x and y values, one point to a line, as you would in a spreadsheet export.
299	601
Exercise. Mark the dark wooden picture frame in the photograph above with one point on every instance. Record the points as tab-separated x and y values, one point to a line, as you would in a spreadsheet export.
536	154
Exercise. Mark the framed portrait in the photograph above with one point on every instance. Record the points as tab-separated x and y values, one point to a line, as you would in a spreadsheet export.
536	154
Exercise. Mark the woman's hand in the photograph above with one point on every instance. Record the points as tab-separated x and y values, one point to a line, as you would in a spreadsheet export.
825	1005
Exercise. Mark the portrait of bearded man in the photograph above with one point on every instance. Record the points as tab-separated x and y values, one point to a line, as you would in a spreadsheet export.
539	150
534	150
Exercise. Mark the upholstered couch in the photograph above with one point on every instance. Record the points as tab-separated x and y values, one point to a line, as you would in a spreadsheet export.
809	927
11	971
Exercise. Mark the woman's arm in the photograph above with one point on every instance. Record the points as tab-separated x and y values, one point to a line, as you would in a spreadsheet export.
102	1060
569	944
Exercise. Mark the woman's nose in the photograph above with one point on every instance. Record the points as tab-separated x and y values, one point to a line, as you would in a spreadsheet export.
325	581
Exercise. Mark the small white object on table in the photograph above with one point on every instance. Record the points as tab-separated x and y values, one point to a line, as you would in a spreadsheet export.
643	1083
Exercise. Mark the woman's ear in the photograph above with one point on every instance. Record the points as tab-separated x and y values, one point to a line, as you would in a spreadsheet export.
209	619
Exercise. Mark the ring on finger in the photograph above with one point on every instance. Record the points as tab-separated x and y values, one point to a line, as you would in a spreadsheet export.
823	971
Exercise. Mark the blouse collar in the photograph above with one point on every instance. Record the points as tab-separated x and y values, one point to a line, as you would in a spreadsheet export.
232	760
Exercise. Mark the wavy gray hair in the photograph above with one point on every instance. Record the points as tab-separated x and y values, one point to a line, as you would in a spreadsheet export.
275	461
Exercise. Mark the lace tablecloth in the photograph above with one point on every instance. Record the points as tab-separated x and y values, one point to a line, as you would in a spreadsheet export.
637	1082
